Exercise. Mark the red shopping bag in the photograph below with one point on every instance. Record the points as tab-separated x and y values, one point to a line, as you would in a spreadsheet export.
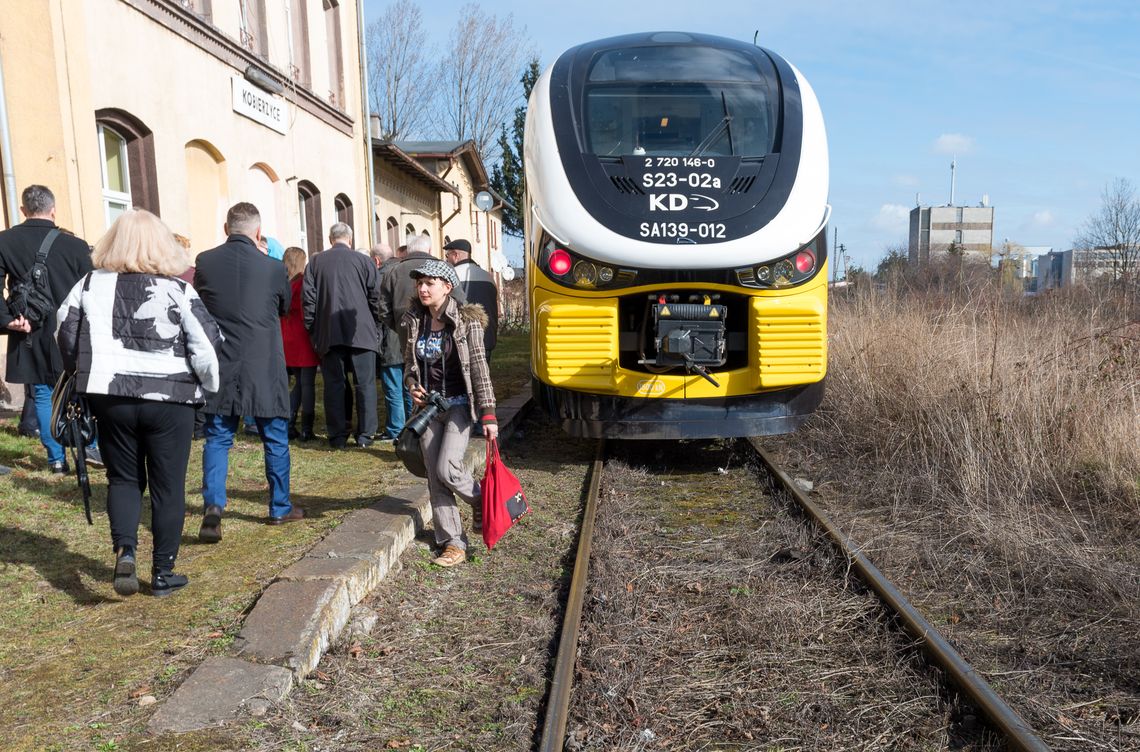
503	499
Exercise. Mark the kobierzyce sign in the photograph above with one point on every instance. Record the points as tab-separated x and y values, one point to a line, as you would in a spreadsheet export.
259	105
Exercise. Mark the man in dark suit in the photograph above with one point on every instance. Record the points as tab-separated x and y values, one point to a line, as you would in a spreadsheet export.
341	298
246	292
33	355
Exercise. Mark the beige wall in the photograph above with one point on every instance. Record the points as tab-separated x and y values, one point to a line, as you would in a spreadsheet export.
43	50
409	202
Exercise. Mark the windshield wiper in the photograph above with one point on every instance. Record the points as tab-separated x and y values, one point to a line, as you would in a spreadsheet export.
718	129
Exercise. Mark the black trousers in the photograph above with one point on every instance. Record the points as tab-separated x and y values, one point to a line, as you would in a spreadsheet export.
145	443
302	395
333	369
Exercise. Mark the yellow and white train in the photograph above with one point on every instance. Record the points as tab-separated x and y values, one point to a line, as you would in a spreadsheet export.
676	239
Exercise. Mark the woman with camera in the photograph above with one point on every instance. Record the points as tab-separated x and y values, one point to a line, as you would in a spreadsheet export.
143	349
445	364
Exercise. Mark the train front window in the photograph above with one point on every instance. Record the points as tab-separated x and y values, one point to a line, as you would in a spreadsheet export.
678	101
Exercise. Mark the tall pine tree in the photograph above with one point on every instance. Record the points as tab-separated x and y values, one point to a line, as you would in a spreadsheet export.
508	178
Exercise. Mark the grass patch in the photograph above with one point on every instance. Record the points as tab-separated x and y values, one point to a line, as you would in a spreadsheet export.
72	652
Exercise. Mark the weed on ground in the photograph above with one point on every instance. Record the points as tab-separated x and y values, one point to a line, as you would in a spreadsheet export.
717	621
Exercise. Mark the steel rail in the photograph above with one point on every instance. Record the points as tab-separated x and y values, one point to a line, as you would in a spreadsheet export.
558	702
1019	734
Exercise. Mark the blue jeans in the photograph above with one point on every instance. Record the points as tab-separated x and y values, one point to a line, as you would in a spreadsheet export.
42	393
392	383
220	430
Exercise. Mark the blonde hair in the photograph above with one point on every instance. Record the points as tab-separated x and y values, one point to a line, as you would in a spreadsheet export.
138	241
294	260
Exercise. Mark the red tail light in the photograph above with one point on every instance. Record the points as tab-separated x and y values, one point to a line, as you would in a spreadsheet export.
805	262
559	262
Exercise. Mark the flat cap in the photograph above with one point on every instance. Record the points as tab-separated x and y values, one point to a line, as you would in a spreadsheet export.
458	245
436	268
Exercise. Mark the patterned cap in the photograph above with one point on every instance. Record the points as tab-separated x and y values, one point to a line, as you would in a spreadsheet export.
439	269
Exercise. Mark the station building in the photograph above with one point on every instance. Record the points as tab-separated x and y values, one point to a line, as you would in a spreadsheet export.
185	107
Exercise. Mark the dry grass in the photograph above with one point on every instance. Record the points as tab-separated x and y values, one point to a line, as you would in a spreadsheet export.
988	450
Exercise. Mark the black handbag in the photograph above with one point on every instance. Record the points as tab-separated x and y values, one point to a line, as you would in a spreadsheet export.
73	426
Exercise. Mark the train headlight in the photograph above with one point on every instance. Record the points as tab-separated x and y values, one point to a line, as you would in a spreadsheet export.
783	271
805	262
605	275
559	262
763	275
585	274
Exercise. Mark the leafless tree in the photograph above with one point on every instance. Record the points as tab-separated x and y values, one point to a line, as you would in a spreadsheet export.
1112	234
478	80
401	78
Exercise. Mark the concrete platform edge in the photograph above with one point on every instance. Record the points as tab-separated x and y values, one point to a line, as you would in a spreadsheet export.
322	589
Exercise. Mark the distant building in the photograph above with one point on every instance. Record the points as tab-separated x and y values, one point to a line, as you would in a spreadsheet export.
1063	268
934	229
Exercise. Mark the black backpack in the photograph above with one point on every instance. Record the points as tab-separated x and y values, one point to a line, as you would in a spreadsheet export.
30	297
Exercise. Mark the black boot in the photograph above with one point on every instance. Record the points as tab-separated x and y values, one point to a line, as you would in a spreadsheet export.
163	582
306	427
125	582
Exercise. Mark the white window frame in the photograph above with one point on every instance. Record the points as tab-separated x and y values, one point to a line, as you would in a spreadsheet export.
303	221
117	199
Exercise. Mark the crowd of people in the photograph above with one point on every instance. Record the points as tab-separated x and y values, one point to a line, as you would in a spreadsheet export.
166	352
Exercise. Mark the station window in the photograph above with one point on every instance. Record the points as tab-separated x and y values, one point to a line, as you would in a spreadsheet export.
344	210
254	33
409	231
309	217
336	61
200	8
299	19
392	228
116	178
127	166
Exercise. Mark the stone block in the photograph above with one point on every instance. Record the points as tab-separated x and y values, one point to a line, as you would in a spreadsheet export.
293	624
219	691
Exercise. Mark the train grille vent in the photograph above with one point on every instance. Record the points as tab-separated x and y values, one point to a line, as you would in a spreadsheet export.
742	184
626	185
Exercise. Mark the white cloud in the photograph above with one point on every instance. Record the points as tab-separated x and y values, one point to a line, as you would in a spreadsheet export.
953	143
891	218
1043	218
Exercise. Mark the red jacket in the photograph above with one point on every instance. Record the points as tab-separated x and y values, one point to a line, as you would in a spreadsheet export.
299	350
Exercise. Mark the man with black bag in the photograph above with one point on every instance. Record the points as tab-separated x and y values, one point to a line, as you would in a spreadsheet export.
40	265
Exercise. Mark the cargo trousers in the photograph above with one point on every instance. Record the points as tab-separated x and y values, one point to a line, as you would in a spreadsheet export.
444	444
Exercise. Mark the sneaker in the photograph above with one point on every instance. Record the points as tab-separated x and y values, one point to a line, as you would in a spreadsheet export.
296	513
163	584
211	530
59	468
94	457
126	582
451	556
364	441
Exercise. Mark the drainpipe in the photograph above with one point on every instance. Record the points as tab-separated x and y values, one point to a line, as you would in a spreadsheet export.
13	207
367	123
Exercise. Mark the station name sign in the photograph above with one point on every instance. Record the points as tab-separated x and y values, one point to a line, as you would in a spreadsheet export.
259	105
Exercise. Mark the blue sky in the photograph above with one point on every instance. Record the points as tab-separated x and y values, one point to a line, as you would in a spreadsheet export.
1039	102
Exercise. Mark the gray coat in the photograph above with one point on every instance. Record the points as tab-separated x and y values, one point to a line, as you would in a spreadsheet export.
246	292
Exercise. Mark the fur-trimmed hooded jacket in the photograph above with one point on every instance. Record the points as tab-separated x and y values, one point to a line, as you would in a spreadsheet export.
465	324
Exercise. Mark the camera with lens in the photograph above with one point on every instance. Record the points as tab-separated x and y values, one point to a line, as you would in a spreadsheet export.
434	403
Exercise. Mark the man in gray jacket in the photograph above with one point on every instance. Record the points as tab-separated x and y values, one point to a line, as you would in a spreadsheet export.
390	359
341	302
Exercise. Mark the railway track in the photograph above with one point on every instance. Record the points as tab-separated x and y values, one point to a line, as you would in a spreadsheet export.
1000	717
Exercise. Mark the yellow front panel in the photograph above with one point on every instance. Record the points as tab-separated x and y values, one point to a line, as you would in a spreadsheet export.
576	342
790	342
576	347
